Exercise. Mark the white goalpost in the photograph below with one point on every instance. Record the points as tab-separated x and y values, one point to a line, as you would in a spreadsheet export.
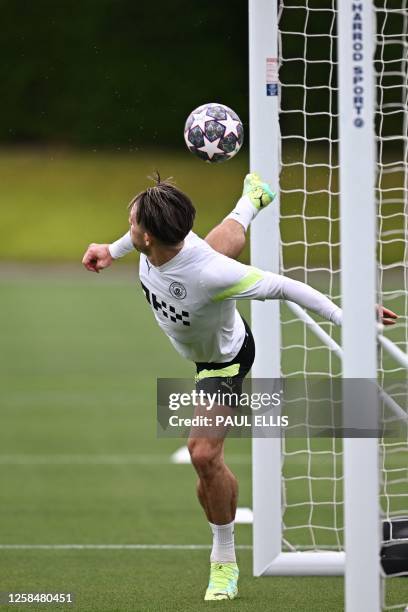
328	130
358	296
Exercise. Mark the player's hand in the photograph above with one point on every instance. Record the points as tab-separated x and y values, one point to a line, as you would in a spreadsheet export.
97	257
386	316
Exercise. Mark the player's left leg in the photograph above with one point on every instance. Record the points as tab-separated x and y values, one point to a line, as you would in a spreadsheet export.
228	237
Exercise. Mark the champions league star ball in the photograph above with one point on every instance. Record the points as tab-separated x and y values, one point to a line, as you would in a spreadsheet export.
214	133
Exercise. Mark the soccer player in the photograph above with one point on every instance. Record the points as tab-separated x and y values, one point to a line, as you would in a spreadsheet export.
192	286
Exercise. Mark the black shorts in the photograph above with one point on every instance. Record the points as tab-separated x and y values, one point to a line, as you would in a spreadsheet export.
231	373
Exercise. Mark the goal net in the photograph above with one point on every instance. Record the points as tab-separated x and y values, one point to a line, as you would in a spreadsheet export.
312	468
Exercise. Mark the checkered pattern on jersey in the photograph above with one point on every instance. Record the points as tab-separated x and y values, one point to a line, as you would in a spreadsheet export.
168	310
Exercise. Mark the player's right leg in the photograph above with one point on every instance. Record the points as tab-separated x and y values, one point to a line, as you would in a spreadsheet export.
228	238
217	487
217	492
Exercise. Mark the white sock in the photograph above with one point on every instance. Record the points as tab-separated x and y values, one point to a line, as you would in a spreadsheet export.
244	212
223	550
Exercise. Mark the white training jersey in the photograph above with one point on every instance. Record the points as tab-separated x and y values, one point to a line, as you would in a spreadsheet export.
193	298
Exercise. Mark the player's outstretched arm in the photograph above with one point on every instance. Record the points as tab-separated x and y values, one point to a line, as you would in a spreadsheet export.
285	288
306	296
226	279
100	256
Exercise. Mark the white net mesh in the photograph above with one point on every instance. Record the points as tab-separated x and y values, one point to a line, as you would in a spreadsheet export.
312	468
312	485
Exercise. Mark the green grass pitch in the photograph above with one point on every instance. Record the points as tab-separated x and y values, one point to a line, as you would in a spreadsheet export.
79	458
80	357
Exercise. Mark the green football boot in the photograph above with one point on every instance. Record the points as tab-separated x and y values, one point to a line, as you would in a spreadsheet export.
258	192
223	582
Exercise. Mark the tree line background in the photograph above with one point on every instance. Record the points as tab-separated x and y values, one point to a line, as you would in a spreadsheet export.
117	72
126	73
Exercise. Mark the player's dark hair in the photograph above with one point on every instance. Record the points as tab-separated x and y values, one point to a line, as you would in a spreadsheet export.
164	211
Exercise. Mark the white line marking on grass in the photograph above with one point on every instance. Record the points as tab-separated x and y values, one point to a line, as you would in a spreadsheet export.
83	459
114	547
149	459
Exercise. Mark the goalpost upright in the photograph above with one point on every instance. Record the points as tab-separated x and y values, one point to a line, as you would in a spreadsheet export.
265	249
358	288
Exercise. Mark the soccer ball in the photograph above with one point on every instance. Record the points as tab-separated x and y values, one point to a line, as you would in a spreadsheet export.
214	132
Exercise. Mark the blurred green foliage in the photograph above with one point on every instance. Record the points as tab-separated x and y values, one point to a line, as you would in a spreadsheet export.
121	74
54	204
118	72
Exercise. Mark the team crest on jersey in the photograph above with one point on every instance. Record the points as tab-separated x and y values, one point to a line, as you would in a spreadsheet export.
178	290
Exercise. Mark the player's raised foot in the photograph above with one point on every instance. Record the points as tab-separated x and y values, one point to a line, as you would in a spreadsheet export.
223	582
258	192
